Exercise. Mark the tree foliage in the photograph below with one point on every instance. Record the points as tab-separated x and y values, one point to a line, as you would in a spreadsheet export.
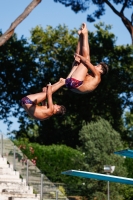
15	60
49	57
99	142
128	120
118	7
128	189
54	159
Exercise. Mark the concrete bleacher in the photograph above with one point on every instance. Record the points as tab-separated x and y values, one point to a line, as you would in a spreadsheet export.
12	187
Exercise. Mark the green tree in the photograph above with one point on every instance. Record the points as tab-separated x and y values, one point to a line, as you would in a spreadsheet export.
128	120
114	5
54	159
17	76
128	192
99	142
53	50
128	189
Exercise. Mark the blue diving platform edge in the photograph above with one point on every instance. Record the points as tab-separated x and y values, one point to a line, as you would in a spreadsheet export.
98	176
126	152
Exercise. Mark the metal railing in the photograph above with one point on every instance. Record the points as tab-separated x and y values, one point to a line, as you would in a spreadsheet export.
41	184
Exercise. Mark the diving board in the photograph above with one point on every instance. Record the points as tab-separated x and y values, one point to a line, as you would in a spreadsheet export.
98	176
126	152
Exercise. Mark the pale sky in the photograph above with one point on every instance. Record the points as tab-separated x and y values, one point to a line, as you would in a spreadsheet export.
50	13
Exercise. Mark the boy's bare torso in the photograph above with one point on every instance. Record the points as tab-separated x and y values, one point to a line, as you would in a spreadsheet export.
37	112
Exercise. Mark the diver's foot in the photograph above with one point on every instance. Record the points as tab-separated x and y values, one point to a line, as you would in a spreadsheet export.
84	29
77	59
62	80
44	89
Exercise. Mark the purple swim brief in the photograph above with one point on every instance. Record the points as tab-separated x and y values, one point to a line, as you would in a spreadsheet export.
26	100
72	83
